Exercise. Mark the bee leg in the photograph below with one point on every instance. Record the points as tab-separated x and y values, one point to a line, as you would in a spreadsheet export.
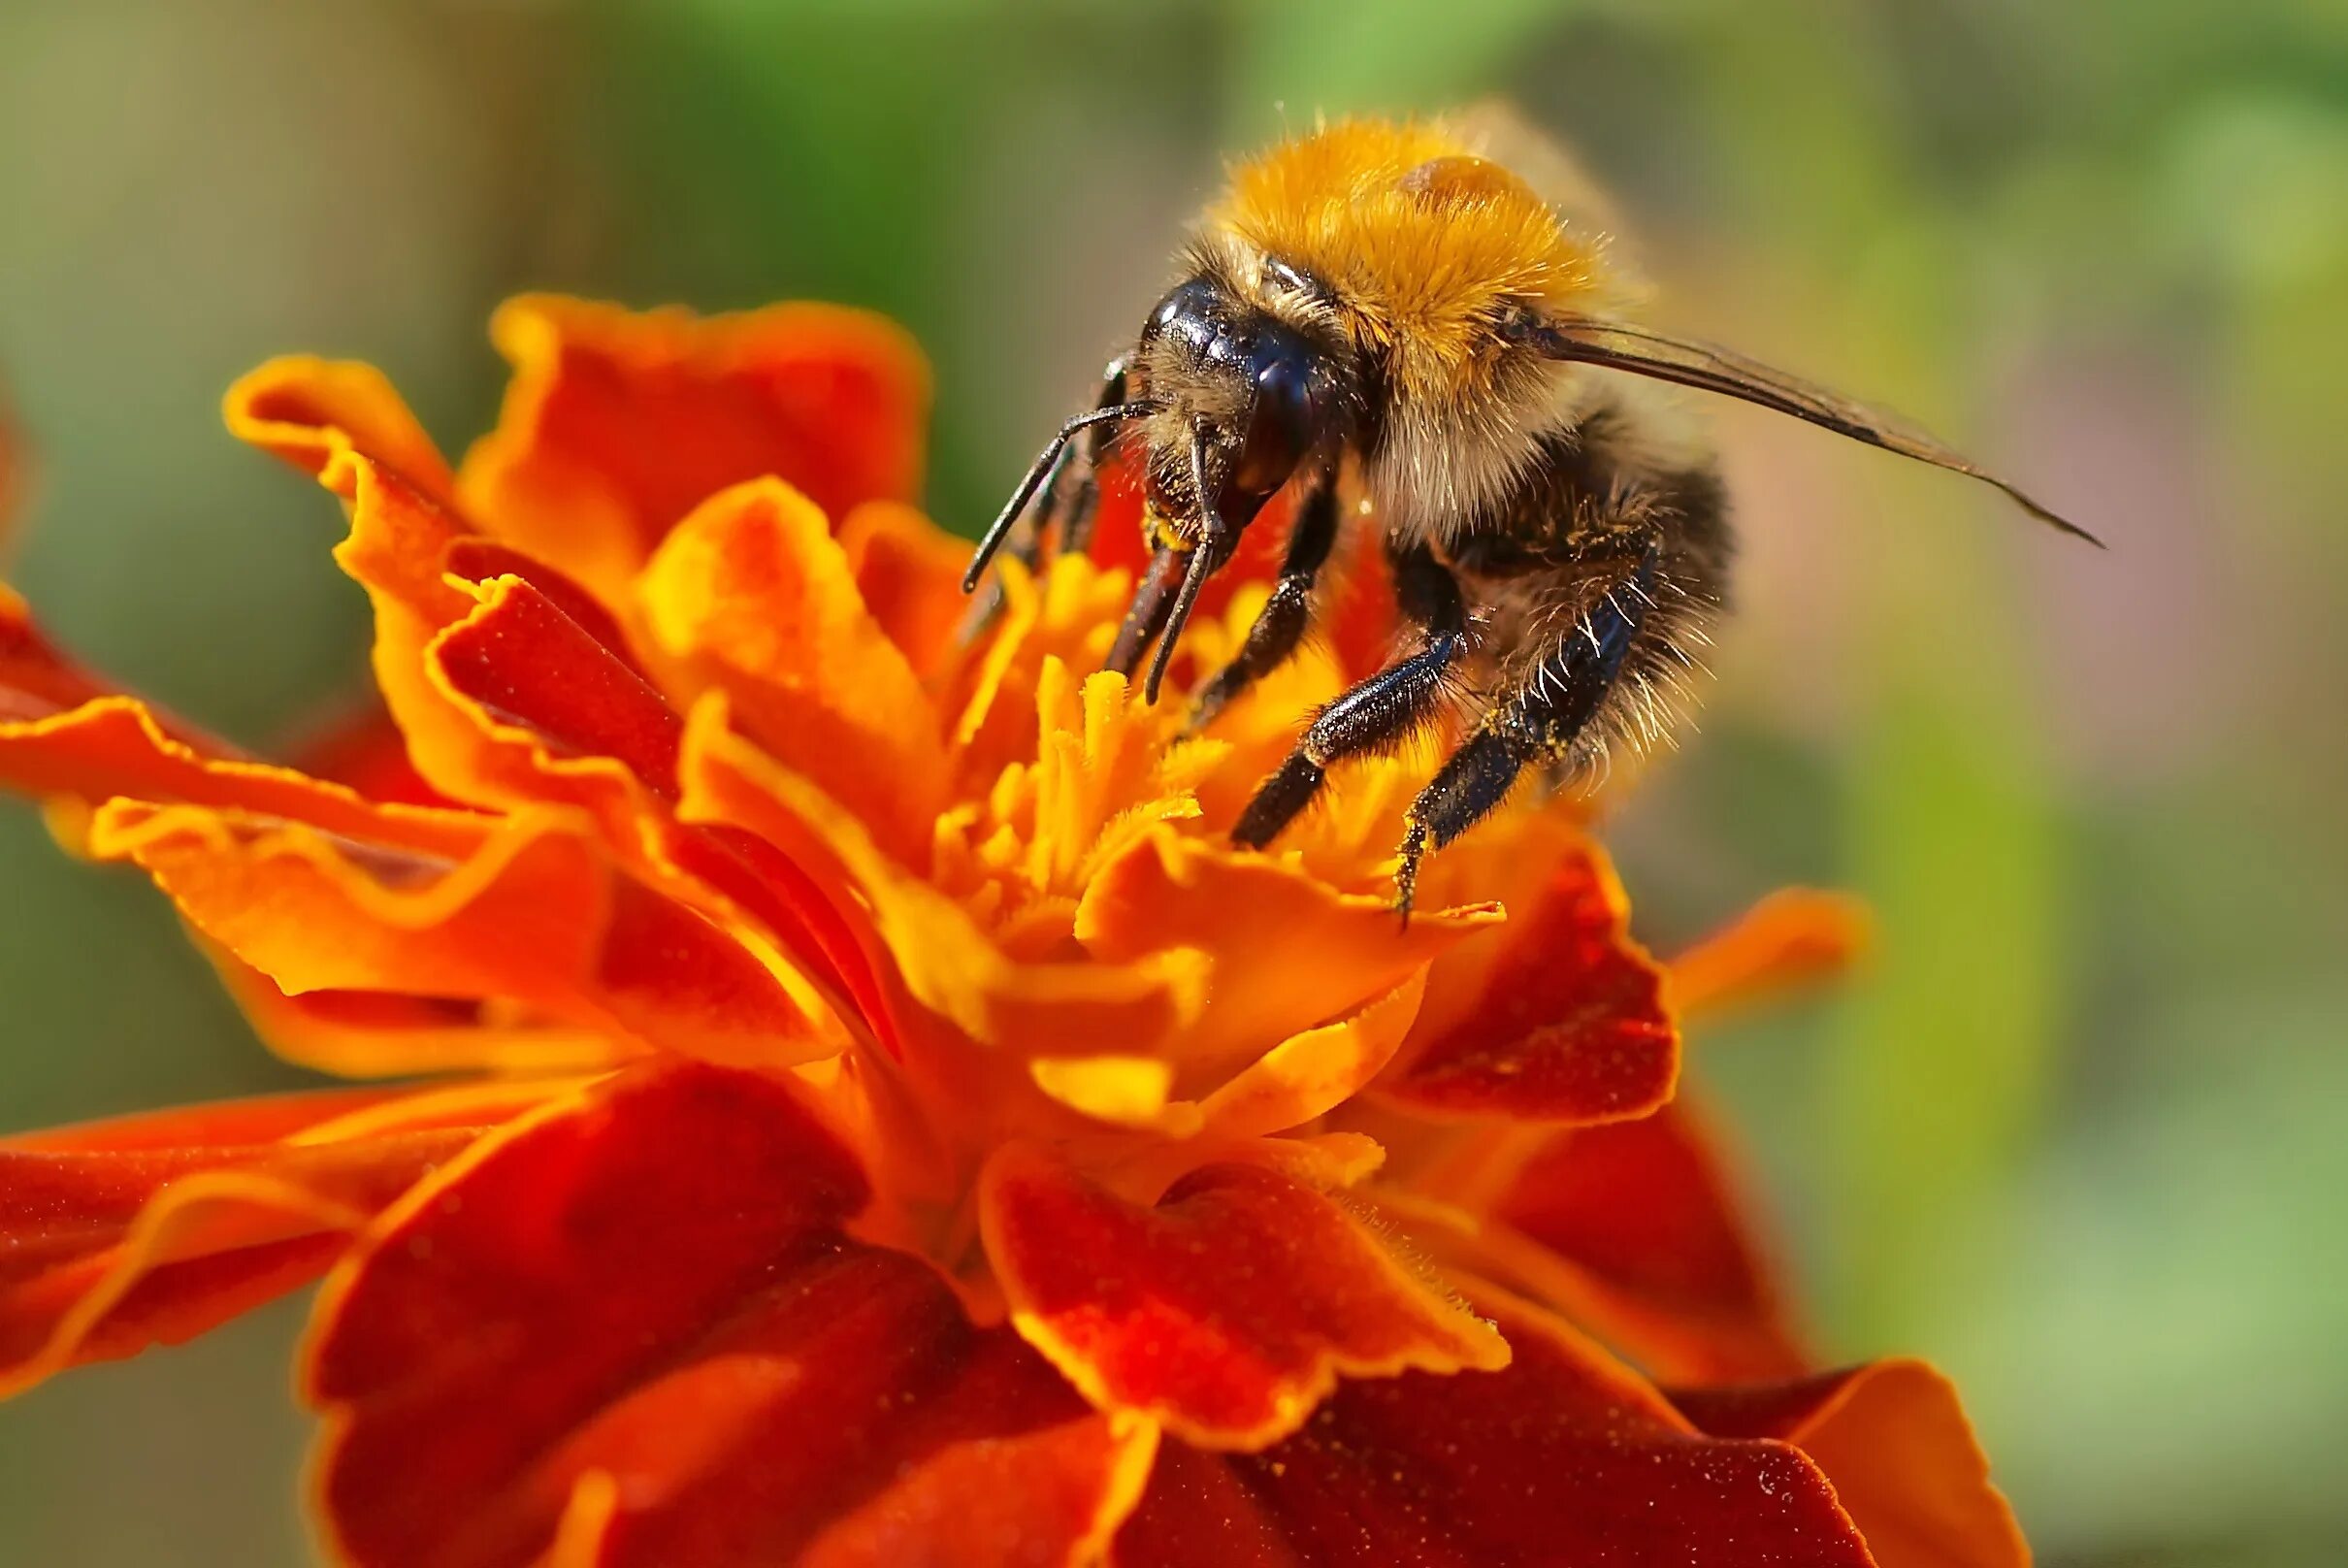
1080	502
1378	712
1076	532
1280	624
1550	709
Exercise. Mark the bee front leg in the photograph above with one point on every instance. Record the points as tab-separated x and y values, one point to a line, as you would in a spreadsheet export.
1548	711
1076	530
1280	624
1079	501
1381	711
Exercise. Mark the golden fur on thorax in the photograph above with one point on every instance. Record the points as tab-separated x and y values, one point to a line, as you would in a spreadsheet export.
1422	266
1426	245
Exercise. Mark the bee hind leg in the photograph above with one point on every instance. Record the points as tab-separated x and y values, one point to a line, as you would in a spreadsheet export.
1548	714
1280	626
1378	712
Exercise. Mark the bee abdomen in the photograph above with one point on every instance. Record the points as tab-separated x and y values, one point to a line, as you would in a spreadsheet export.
1599	588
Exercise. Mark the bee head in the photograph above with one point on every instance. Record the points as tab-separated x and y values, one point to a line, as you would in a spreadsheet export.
1243	400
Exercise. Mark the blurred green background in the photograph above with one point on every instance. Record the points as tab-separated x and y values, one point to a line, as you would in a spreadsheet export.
2077	1135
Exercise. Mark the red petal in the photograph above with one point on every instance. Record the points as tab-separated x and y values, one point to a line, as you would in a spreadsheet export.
362	747
36	681
150	1229
479	560
1225	1311
526	662
1895	1441
1569	1024
636	1318
618	424
1563	1457
1055	1495
1664	1262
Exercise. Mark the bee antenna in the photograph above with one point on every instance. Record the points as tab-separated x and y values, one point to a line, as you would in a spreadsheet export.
1000	529
1203	556
1710	367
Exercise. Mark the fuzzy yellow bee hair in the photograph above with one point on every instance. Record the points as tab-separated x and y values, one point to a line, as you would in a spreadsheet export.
1423	237
1429	235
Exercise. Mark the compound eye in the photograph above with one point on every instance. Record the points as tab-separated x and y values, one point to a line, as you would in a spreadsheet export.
1192	312
1284	418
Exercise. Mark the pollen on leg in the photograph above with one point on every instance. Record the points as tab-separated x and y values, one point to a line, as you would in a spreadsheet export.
1406	874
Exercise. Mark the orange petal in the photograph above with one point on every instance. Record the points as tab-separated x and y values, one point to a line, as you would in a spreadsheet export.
399	550
1895	1441
505	697
1227	1311
1288	952
544	712
152	1229
946	963
532	915
1308	1075
1565	1456
1794	938
1570	1025
635	1319
618	424
1300	1080
518	916
754	594
426	573
112	745
1663	1261
66	732
1068	614
909	572
385	1035
311	412
115	746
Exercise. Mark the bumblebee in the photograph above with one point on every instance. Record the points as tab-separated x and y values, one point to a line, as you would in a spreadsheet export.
1428	316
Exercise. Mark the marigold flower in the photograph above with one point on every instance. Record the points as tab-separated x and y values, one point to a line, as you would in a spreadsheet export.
858	1108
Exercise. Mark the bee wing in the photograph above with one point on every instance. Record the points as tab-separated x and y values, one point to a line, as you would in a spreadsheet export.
1620	345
